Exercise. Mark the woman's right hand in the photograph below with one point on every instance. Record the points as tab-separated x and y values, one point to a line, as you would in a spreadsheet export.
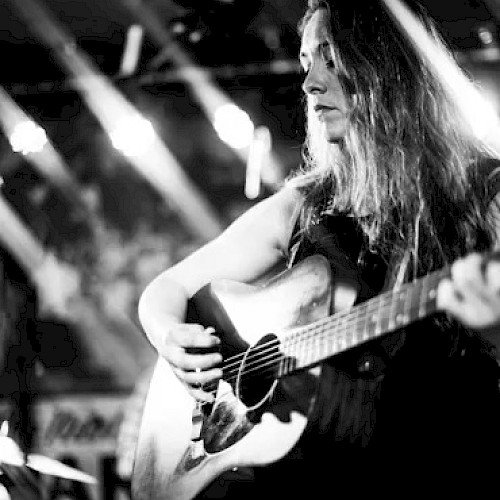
247	250
190	350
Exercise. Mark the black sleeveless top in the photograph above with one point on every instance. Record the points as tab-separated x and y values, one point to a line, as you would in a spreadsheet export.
418	409
426	397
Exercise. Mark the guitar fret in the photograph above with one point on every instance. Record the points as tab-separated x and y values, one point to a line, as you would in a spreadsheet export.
352	331
399	311
392	315
414	301
340	344
348	333
394	309
290	352
363	332
301	355
375	323
309	356
314	343
377	319
428	296
422	299
317	341
385	312
329	342
327	346
406	307
292	364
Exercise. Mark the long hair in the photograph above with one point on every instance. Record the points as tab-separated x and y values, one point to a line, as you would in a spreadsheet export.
409	165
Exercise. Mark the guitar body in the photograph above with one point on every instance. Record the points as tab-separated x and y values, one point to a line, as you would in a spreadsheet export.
255	420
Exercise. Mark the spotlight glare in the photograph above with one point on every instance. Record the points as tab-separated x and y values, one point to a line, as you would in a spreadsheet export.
485	35
28	137
133	136
234	126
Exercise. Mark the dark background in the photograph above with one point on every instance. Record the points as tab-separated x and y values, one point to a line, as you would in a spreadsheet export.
249	48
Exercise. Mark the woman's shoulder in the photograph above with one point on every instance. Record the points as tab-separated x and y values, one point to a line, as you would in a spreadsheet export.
291	195
284	205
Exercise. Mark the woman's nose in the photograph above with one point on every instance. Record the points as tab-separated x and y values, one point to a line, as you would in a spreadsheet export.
313	83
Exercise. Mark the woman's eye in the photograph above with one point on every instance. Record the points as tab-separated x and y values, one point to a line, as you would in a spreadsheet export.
326	55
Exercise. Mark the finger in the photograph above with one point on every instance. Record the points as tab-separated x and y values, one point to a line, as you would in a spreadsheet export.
172	335
468	277
198	382
190	362
447	297
200	378
178	357
201	395
470	309
492	276
194	336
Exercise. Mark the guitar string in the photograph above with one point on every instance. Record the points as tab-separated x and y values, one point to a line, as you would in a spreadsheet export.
378	303
301	335
272	362
292	343
261	369
342	325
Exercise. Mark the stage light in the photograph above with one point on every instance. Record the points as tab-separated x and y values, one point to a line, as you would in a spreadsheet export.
28	137
195	36
133	136
234	126
132	50
258	158
178	28
477	112
485	35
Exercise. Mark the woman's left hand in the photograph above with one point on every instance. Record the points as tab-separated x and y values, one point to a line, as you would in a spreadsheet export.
472	293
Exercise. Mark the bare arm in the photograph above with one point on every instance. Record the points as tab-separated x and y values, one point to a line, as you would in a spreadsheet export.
248	248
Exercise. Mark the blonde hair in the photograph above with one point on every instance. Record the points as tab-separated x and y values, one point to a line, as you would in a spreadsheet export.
408	165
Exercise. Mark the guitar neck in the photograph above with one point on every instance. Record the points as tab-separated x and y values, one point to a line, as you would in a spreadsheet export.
314	343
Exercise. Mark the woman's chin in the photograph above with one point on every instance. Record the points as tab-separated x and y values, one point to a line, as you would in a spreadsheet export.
334	134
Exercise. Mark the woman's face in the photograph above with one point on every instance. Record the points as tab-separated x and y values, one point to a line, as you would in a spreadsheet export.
327	100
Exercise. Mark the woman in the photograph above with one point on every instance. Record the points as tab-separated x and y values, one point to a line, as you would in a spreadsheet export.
394	185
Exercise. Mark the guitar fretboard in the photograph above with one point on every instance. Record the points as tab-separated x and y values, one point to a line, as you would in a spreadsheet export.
311	344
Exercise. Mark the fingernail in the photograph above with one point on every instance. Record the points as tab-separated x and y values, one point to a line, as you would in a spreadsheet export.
210	329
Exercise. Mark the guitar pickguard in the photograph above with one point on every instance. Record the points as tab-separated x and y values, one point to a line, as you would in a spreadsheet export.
226	424
228	421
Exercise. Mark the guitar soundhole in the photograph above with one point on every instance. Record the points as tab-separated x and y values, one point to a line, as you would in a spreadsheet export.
259	370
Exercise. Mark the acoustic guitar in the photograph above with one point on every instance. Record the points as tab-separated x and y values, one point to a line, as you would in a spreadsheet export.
274	338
